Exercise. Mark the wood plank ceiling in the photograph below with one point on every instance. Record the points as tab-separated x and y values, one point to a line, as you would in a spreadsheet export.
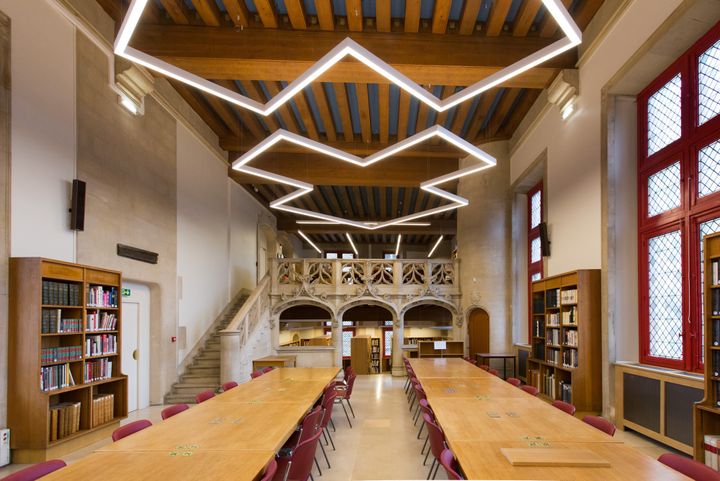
256	47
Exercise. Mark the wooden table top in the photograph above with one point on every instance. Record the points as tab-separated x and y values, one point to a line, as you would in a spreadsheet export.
326	374
497	355
486	387
484	460
276	390
445	367
162	465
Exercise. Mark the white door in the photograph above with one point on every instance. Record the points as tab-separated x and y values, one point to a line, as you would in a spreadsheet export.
136	344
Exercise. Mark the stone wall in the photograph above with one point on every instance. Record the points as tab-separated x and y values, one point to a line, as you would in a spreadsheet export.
5	84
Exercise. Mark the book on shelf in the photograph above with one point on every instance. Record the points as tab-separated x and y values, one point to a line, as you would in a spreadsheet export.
711	443
570	358
715	272
64	420
101	296
553	337
715	301
569	296
56	377
100	344
534	378
553	356
538	304
52	322
60	293
569	316
539	351
553	319
539	327
549	384
60	354
101	321
552	297
717	393
716	364
715	332
98	370
566	392
570	338
103	409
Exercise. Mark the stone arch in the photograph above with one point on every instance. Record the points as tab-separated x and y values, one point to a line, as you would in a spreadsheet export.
371	301
367	301
430	301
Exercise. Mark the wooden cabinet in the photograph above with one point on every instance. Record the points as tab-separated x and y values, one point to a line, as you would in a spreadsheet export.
360	354
452	349
64	352
565	331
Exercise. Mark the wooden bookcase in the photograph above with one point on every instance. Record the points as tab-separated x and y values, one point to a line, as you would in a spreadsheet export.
565	356
375	356
29	416
360	354
706	418
453	349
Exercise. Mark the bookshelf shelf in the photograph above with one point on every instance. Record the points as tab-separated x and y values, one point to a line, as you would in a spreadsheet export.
564	361
706	419
48	296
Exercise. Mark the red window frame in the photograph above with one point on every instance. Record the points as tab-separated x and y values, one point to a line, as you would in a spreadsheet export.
533	232
692	210
384	330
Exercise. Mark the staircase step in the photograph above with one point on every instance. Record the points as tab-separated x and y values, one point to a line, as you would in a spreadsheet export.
197	362
179	399
192	390
211	354
198	379
204	370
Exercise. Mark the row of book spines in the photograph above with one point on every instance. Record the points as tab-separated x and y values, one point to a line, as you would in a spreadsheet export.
60	354
711	444
60	294
52	322
56	377
103	409
101	344
98	370
64	420
104	321
715	272
99	296
570	358
715	302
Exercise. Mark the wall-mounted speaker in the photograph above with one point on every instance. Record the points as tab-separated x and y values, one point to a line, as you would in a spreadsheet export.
77	205
544	241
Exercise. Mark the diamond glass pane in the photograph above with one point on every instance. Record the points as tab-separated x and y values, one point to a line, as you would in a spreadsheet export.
535	277
346	337
535	209
664	121
388	343
709	84
664	190
711	226
709	169
535	253
665	295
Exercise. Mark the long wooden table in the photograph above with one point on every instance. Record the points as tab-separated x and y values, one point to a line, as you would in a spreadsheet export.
231	436
483	417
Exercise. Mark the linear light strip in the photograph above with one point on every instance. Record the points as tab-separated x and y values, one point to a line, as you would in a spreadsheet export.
326	222
349	47
397	246
302	234
432	251
349	238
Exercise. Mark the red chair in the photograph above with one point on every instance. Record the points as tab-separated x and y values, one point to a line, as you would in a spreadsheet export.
270	471
563	406
494	372
311	424
328	402
344	393
255	374
299	462
229	385
484	367
420	396
600	423
532	390
36	471
448	461
689	467
204	396
131	428
266	370
437	444
514	381
173	410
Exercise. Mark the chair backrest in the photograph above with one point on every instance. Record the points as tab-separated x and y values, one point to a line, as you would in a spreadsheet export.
419	391
270	470
484	366
301	462
327	405
437	438
173	410
130	428
255	374
266	370
600	423
689	467
311	424
514	381
348	371
425	407
36	471
447	459
350	384
204	396
532	390
563	406
494	372
229	385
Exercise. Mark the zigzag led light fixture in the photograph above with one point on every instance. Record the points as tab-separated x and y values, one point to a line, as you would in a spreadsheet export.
556	9
303	188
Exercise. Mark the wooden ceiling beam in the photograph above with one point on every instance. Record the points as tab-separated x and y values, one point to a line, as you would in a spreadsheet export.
324	108
400	172
522	108
468	19
548	26
460	116
501	111
403	114
364	111
481	111
441	14
354	11
238	12
231	120
524	18
383	17
586	11
306	115
296	12
248	118
251	54
496	17
384	107
412	16
190	96
209	12
285	113
437	227
254	92
344	108
268	14
177	11
326	18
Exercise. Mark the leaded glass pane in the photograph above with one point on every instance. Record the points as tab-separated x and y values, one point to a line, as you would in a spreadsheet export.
535	253
535	277
709	169
709	84
711	226
535	209
346	338
388	342
665	295
664	190
664	118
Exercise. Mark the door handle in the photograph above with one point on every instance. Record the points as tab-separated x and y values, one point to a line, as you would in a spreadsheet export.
135	354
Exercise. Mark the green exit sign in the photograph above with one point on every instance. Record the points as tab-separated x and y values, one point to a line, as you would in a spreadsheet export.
126	292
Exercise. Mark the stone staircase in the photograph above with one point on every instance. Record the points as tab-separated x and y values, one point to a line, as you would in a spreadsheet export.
204	371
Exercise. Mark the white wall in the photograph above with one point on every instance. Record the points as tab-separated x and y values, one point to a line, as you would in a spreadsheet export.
202	232
43	130
245	213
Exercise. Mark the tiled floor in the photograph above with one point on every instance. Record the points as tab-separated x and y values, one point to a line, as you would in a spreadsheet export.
382	443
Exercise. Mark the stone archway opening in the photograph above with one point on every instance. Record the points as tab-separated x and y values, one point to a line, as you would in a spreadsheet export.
368	326
426	322
305	325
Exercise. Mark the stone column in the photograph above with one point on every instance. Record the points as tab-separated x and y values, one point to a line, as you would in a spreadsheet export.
337	338
398	369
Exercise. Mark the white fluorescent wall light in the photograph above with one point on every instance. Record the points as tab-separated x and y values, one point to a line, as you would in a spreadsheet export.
397	246
348	47
435	247
129	104
307	239
327	222
456	201
347	234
